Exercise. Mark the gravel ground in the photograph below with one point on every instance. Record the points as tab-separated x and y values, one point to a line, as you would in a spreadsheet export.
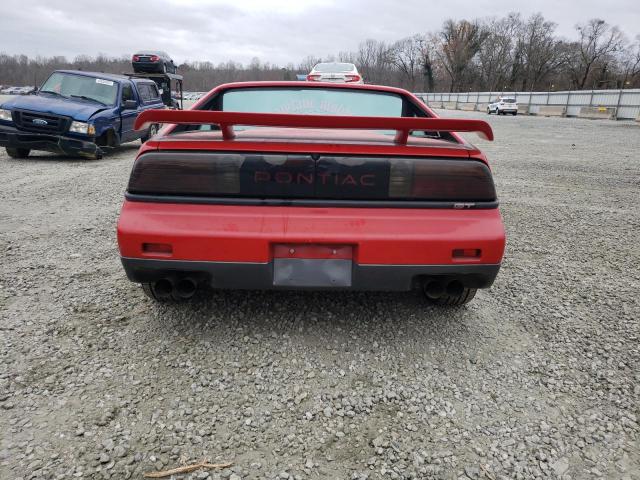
538	377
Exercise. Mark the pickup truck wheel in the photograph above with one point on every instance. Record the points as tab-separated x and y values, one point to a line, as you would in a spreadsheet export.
18	152
153	130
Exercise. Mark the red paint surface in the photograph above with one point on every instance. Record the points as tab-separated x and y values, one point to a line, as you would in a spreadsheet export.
403	125
249	233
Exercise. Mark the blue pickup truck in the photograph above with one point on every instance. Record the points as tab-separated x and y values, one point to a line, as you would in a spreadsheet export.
78	113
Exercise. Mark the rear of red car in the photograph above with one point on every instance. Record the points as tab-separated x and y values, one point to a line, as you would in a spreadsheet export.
235	196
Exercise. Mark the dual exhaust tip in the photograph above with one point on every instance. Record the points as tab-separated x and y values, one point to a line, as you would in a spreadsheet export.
435	288
183	288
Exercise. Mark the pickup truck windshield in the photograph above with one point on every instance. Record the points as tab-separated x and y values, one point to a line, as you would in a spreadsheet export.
88	88
313	101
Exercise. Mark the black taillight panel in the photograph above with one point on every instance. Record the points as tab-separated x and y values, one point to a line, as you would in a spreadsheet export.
163	173
297	176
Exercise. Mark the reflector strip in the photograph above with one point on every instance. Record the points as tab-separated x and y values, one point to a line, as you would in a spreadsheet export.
157	248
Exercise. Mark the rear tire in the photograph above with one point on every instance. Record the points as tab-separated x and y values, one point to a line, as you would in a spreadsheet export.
18	152
449	300
153	130
488	111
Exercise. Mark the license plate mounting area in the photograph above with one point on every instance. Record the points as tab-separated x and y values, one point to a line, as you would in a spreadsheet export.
312	265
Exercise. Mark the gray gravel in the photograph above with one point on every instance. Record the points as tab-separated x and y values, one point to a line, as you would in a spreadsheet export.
539	377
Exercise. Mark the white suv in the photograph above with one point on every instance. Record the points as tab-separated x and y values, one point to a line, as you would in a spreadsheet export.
335	72
502	106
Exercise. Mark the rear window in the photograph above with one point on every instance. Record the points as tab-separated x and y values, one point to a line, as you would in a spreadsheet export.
334	67
148	92
509	100
313	101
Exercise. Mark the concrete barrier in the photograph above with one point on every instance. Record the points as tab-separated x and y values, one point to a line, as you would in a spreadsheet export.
482	107
449	105
638	118
435	104
467	107
597	113
523	109
552	111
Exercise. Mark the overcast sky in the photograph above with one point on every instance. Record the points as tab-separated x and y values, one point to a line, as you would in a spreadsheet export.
276	31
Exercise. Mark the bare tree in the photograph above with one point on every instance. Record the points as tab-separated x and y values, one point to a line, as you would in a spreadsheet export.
408	57
308	63
460	43
373	59
597	41
537	52
496	56
630	64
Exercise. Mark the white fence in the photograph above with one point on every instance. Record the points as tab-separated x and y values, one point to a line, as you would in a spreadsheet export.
625	102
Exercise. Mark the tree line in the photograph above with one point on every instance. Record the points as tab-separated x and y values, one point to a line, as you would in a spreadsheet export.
497	54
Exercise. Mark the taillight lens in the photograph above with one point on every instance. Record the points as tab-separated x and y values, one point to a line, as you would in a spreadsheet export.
461	180
154	58
255	175
352	78
135	58
313	78
186	174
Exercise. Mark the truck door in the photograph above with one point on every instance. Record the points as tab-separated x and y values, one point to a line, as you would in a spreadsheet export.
128	116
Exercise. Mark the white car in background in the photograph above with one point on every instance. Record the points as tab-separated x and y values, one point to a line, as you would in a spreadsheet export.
335	72
503	106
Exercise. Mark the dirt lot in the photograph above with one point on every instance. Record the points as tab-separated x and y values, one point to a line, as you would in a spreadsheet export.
539	377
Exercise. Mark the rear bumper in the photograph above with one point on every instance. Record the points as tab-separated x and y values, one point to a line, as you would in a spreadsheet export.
232	246
260	276
14	138
147	67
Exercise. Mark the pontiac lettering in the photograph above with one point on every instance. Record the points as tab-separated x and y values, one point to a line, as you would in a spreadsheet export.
323	178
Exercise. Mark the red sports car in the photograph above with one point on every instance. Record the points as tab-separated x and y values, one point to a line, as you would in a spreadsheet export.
283	185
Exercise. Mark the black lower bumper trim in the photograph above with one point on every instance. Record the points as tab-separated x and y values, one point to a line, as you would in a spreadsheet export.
260	276
13	138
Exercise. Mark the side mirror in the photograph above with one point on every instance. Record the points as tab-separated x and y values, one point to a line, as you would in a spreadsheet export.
129	105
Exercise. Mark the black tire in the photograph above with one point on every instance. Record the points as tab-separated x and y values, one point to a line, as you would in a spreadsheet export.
18	152
106	143
488	111
515	113
153	130
465	296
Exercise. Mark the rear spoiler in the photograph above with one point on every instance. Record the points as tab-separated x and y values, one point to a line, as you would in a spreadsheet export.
226	120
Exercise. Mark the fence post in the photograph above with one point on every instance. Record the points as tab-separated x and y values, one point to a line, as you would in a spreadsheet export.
591	99
566	107
618	104
529	106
